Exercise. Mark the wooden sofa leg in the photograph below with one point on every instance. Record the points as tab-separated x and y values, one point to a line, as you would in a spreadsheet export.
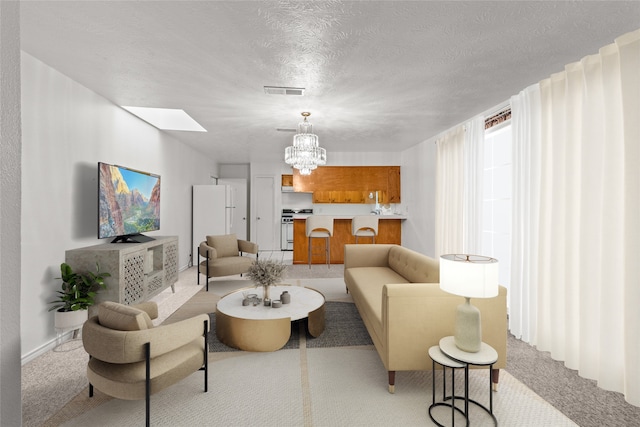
392	382
495	377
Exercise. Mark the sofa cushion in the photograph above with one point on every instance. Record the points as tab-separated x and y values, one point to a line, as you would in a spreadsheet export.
226	245
414	266
122	317
227	266
365	285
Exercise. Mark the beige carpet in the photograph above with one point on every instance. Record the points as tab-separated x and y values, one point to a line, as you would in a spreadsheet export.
303	387
324	387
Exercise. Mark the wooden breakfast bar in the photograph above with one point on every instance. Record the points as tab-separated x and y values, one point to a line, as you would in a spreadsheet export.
389	231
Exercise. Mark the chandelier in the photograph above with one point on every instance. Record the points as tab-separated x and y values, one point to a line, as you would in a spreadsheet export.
305	154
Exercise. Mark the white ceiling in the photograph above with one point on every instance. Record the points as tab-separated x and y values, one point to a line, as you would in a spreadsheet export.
379	76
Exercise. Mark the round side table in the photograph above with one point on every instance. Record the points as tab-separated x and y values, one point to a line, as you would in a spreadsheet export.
487	356
441	359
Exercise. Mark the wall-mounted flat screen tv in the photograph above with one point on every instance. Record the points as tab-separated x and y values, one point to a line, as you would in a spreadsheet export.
128	203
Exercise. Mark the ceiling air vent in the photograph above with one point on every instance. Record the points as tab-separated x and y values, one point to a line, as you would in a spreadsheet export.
277	90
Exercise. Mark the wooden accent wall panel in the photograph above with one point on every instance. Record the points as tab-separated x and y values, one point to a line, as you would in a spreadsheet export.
389	231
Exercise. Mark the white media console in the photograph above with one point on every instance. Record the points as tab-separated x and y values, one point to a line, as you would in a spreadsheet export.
138	271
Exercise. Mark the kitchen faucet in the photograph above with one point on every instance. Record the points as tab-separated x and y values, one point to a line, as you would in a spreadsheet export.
377	209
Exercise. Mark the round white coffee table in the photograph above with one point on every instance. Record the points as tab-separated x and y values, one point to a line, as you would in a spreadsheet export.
263	328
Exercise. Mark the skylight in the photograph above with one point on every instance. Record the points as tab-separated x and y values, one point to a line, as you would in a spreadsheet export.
166	118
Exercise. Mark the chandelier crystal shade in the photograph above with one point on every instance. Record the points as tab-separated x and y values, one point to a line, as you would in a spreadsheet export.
305	154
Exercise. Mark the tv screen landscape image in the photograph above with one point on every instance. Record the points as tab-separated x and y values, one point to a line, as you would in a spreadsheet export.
128	203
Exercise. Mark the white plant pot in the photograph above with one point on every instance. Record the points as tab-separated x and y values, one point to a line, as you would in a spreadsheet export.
67	320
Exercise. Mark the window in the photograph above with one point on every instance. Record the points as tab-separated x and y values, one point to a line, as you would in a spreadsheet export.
496	227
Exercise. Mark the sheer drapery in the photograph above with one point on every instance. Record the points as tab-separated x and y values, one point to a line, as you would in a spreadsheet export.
473	186
449	192
576	289
460	171
525	129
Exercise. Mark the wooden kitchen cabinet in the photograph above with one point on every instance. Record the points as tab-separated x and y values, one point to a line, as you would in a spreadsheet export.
350	184
349	196
389	231
355	196
287	180
393	185
322	197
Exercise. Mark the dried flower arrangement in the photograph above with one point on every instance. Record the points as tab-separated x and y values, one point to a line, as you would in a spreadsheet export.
266	272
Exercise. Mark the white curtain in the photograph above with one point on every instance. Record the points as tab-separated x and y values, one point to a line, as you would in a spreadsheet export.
575	289
525	129
473	185
449	192
459	186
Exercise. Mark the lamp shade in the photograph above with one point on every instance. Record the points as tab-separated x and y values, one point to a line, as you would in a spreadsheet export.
471	276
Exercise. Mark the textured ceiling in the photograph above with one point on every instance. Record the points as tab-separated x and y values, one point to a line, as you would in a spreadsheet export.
379	76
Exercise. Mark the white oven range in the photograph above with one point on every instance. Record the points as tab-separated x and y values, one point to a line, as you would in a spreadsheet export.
286	235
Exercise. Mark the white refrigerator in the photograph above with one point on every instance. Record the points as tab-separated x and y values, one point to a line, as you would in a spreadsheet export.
212	213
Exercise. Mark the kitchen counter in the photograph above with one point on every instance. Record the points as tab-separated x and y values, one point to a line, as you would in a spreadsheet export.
349	217
389	231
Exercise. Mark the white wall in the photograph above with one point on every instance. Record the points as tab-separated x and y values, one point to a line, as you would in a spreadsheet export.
10	396
364	159
418	180
67	130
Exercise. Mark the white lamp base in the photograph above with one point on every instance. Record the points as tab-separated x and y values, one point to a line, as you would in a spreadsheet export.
468	332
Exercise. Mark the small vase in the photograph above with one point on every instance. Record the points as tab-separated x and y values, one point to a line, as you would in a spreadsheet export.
285	297
265	292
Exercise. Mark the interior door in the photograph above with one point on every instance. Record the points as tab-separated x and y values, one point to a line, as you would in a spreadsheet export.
239	223
264	221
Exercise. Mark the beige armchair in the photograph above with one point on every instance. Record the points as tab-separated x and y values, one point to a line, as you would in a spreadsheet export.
131	359
224	256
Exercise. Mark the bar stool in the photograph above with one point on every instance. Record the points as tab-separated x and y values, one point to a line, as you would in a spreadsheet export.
320	226
365	226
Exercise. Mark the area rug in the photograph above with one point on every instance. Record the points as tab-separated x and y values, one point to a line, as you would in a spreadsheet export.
335	386
343	327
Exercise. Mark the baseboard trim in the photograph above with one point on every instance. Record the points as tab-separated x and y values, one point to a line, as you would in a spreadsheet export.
48	346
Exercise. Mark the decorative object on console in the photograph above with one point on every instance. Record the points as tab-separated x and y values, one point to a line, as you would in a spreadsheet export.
470	276
266	273
305	154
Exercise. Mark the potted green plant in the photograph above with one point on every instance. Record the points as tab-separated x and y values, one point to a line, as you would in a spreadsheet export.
77	294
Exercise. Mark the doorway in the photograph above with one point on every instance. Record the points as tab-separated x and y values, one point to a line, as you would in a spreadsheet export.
239	202
264	224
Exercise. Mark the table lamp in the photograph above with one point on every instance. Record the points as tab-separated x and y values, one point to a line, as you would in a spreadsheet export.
470	276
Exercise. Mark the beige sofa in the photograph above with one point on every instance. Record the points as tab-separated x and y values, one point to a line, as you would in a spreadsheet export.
397	294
